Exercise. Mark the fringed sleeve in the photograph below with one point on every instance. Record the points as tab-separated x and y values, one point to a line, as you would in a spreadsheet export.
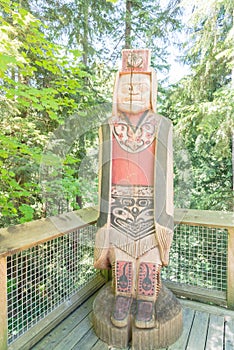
164	220
101	249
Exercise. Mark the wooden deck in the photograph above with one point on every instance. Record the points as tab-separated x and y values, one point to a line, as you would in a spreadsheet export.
205	328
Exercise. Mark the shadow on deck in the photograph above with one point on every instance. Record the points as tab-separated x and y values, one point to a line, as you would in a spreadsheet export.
205	328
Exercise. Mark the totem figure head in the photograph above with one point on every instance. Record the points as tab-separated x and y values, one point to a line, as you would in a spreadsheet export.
135	88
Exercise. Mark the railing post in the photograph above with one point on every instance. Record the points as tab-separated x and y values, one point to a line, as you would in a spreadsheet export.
3	303
230	269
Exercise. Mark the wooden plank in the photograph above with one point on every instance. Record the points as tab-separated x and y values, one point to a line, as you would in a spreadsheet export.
197	338
210	218
23	236
65	327
43	327
75	335
100	345
188	316
230	269
229	334
215	333
197	293
212	309
87	342
3	304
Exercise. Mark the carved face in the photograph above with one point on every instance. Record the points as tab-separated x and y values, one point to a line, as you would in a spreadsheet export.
133	95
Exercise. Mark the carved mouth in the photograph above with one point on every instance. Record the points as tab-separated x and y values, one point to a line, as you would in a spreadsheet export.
133	98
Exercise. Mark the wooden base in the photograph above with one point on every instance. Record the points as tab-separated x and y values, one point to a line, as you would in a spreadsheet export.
168	315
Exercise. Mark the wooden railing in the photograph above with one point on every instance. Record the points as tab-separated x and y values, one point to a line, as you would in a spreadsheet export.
20	238
25	236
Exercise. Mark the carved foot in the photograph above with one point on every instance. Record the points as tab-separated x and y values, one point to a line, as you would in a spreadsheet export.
145	314
121	311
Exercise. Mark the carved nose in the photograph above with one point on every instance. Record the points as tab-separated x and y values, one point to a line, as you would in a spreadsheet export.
135	211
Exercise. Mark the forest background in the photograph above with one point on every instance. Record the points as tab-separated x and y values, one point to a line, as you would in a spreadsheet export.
58	59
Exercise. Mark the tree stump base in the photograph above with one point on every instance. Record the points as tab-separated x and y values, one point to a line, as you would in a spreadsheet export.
168	316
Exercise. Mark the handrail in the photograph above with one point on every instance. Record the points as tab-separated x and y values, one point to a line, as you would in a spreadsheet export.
23	236
210	218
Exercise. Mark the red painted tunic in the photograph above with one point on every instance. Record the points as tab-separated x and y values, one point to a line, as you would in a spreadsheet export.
133	149
132	168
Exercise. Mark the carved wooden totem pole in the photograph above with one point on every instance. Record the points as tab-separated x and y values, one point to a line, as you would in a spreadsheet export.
136	214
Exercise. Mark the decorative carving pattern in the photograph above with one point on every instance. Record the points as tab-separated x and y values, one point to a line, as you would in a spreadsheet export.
147	279
132	214
132	138
136	61
124	276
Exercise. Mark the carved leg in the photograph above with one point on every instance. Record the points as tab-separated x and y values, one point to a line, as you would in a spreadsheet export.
148	289
123	276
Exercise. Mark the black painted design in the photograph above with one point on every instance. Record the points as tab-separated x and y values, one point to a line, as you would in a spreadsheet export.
134	139
147	279
133	215
123	280
124	276
147	283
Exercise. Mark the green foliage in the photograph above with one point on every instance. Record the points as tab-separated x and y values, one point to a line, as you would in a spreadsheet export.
198	257
89	25
202	106
42	83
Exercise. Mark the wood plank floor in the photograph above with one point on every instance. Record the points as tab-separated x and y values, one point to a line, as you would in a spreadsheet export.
205	328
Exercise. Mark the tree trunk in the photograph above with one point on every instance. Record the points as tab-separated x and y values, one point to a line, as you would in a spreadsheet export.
233	131
128	24
85	39
233	161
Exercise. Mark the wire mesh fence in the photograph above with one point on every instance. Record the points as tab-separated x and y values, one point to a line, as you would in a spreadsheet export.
43	277
198	257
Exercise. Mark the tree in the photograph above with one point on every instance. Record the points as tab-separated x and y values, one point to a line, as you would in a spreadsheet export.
79	23
100	29
202	104
40	86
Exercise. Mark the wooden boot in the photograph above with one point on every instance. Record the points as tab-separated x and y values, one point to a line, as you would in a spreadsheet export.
148	289
123	293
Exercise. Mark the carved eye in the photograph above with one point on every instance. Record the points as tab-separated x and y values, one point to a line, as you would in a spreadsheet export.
118	212
128	202
142	202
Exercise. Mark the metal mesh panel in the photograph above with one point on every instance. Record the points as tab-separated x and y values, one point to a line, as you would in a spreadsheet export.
198	257
43	277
